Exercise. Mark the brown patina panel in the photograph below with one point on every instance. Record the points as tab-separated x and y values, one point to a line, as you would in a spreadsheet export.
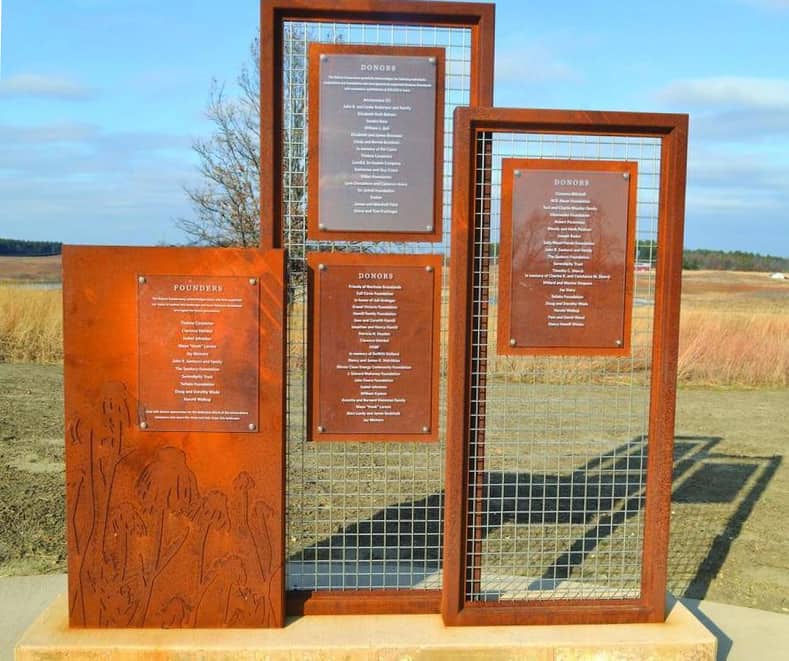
567	249
376	142
198	352
374	347
171	528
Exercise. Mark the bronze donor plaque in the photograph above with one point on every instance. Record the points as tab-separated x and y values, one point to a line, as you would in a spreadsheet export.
567	250
375	142
198	353
375	347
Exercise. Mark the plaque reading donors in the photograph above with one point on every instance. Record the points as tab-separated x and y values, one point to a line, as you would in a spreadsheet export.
198	353
567	249
375	142
375	347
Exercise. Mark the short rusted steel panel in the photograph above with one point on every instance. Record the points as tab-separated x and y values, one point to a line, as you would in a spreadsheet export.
199	353
376	122
170	528
567	249
375	347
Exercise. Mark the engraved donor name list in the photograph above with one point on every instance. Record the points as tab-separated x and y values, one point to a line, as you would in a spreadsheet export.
376	141
374	347
566	256
198	353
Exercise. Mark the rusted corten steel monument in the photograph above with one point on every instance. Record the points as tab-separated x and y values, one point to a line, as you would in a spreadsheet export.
439	385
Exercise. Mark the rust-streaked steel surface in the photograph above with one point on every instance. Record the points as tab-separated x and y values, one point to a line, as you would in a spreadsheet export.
567	248
170	528
376	122
198	351
375	347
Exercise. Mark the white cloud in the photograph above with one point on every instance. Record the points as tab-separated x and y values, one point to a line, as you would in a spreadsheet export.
35	85
727	92
531	63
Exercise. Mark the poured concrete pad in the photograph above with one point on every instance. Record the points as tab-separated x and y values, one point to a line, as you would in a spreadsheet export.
372	637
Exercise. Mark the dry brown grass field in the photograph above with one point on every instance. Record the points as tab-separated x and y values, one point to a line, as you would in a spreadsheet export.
734	329
30	269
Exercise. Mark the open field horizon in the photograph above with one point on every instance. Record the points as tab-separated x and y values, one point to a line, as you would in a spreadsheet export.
734	326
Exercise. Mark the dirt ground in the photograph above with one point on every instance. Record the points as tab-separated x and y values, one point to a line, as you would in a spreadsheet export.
731	488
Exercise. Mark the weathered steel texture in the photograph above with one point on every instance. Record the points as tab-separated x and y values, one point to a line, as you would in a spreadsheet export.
463	447
167	528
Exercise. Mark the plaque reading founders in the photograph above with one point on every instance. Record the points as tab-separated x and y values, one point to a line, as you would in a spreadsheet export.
375	142
374	347
567	249
198	353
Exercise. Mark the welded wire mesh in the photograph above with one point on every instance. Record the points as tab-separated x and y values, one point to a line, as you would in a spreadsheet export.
559	443
359	515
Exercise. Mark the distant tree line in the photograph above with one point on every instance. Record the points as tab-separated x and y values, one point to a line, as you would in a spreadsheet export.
20	248
737	260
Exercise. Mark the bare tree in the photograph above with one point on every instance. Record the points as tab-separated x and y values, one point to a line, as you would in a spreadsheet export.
227	202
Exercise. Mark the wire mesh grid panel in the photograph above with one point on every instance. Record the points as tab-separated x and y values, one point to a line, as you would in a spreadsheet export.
360	516
557	461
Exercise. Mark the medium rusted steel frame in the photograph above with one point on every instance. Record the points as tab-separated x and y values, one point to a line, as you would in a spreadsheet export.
479	18
672	130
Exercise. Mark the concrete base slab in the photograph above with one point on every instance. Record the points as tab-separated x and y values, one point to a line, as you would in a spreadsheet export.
377	637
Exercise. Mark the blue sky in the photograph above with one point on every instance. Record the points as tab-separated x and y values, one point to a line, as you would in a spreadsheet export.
100	101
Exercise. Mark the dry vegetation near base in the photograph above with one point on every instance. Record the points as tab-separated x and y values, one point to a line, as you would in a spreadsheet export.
31	325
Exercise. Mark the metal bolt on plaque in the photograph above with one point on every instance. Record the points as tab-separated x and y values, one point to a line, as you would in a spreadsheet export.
625	175
253	281
517	173
141	279
429	269
321	429
252	426
425	429
143	425
513	342
321	267
619	343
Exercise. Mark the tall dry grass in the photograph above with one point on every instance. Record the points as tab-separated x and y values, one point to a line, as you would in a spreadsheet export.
734	348
31	325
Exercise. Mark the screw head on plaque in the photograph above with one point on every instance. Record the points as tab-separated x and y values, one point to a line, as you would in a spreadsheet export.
619	343
252	426
425	429
625	175
517	173
429	269
324	57
253	281
432	60
141	279
321	267
321	429
143	425
513	342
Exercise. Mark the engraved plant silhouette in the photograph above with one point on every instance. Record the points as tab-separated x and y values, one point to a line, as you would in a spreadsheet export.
211	512
165	487
104	445
125	523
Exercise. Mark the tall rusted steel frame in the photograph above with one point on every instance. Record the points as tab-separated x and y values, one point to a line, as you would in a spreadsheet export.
476	17
468	223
